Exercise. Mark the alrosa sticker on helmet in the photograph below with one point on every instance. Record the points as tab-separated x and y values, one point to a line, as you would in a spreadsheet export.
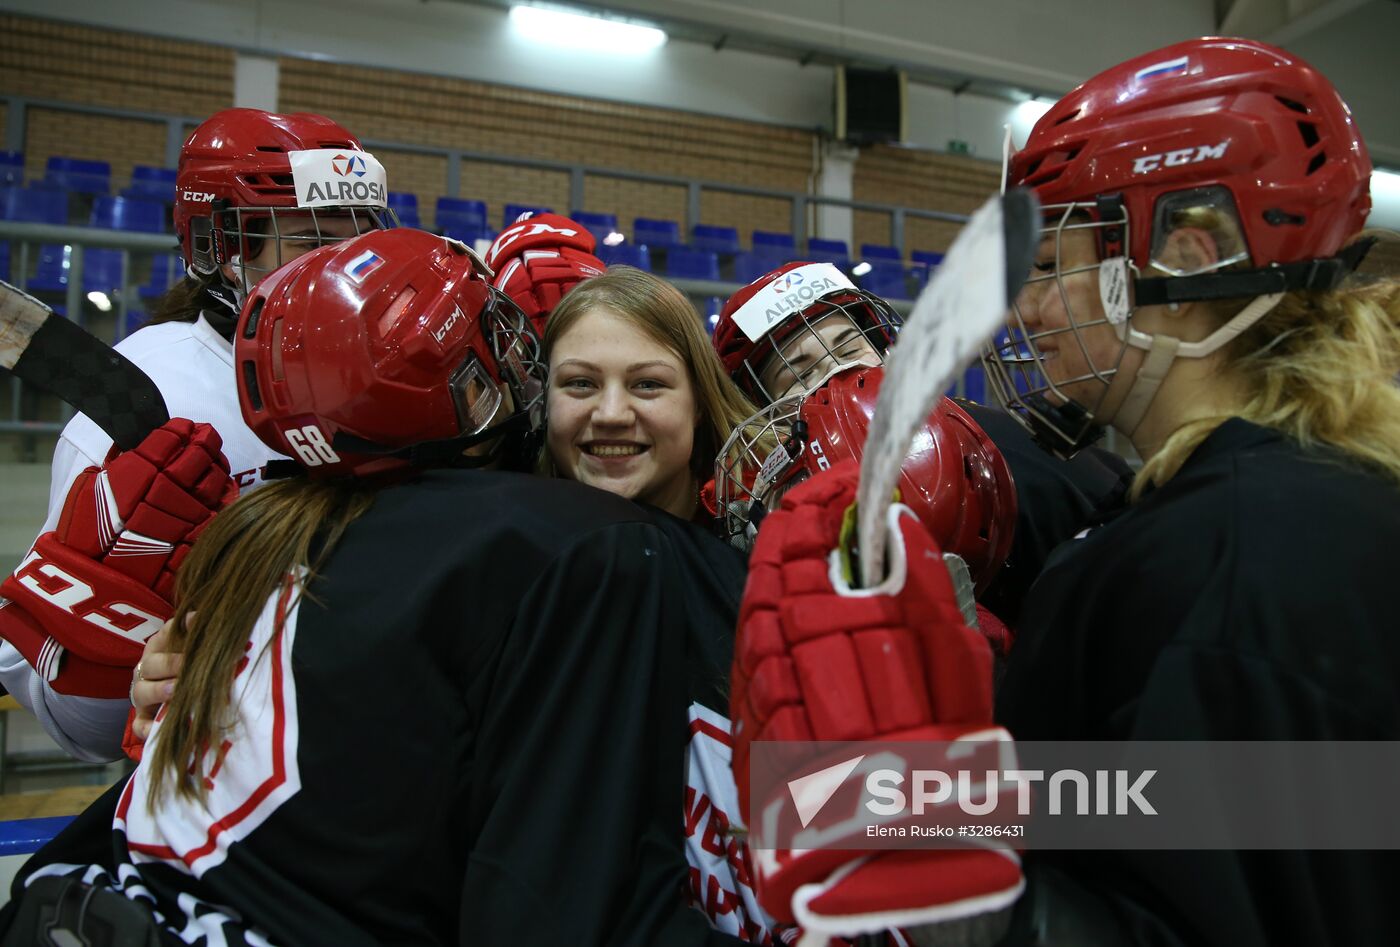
338	177
789	293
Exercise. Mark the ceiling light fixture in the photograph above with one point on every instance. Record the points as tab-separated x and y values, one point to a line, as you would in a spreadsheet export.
584	30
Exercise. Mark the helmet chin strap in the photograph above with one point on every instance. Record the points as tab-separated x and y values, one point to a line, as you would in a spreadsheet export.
226	292
1163	350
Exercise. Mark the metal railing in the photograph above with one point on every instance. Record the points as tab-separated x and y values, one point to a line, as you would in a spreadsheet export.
578	173
26	242
26	239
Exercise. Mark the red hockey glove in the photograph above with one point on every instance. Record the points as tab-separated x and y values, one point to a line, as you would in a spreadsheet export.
815	661
539	259
90	592
998	634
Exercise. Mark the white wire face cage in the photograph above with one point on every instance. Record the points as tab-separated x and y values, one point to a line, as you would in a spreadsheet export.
1016	363
875	325
234	235
756	466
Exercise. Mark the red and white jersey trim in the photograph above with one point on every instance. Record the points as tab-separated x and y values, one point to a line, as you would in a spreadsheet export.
721	869
248	776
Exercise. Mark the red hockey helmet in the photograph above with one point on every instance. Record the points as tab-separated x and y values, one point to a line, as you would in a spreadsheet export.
954	478
790	328
385	351
246	175
1236	127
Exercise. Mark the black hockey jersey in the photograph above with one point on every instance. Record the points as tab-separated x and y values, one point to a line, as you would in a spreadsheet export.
475	732
1249	598
1054	500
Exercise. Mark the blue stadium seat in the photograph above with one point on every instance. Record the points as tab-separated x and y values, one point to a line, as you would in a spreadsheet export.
11	168
929	257
600	225
152	184
460	214
35	205
829	251
886	279
774	245
79	175
657	234
405	207
715	239
879	251
751	265
690	263
166	271
468	235
52	273
135	319
40	205
975	384
630	254
102	270
128	213
513	211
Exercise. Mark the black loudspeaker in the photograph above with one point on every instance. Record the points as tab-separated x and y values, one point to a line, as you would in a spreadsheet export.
870	105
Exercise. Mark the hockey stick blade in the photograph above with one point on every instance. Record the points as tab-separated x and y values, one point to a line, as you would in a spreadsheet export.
957	313
50	352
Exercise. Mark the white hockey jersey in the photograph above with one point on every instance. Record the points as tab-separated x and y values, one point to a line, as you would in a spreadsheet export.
192	365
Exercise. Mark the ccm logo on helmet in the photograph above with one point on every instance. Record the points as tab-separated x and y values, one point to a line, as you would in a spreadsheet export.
452	320
1172	159
203	197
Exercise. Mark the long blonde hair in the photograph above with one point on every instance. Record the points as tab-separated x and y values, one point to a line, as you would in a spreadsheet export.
245	555
662	312
1320	367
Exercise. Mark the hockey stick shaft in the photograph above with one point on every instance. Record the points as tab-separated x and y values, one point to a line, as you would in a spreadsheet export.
962	307
48	351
